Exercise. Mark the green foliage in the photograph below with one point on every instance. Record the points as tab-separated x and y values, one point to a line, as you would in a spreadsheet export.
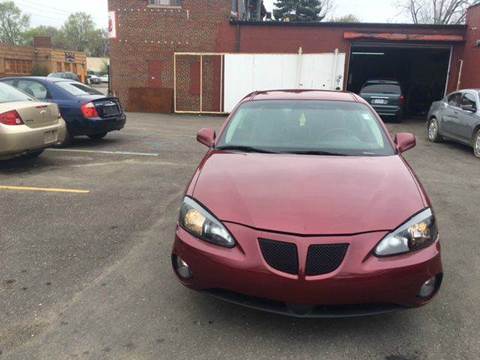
12	23
38	70
300	10
42	30
346	19
77	34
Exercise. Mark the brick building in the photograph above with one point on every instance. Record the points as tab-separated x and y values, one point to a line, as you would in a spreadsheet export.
40	59
428	59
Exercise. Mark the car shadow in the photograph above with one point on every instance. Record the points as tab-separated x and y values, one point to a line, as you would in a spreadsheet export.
21	165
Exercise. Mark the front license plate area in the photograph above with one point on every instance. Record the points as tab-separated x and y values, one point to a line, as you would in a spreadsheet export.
50	137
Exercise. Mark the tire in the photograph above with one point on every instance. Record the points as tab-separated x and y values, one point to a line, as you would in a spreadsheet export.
433	131
476	144
97	136
34	154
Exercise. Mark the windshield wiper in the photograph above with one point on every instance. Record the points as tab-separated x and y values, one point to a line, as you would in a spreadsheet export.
245	149
316	152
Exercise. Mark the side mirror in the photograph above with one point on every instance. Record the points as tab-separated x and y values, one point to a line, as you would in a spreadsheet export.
405	141
470	108
206	137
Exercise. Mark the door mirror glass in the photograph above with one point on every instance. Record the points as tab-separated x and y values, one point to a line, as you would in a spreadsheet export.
206	137
405	141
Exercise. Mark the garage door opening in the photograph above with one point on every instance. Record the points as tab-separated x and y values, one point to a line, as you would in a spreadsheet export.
422	71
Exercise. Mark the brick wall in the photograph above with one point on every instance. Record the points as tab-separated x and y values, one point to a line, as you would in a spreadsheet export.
471	53
147	37
15	59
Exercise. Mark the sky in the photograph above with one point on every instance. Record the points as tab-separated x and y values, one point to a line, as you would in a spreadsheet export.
55	12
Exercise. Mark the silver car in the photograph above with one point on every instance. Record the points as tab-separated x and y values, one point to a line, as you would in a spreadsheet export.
457	118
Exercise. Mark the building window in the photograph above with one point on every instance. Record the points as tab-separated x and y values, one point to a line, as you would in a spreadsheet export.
165	3
16	66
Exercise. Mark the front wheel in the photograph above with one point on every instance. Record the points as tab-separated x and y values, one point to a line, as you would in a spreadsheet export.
433	131
97	136
476	144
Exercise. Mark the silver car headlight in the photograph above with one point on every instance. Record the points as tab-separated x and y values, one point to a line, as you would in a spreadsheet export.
417	233
199	222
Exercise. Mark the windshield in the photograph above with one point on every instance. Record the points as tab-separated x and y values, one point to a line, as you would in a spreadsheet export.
309	127
382	89
10	94
77	89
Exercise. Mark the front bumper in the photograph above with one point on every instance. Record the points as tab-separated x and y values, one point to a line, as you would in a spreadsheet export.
21	139
363	284
388	110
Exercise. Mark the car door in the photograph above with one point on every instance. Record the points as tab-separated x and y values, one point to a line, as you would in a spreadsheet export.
467	119
450	115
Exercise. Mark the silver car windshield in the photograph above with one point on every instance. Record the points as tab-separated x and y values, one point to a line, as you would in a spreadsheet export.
10	94
308	126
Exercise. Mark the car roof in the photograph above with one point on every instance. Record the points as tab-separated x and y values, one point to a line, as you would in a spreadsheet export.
303	95
40	78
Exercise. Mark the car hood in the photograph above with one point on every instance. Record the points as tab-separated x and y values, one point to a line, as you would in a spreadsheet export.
308	195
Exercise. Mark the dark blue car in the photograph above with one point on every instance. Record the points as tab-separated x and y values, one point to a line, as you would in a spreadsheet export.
85	110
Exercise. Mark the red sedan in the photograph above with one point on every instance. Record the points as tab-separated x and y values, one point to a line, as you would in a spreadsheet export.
304	206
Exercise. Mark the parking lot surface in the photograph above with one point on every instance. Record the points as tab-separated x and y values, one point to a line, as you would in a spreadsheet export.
85	273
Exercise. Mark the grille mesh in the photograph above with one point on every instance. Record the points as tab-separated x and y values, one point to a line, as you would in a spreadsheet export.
280	255
324	259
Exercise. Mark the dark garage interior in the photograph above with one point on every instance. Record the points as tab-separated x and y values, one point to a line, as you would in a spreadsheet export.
422	71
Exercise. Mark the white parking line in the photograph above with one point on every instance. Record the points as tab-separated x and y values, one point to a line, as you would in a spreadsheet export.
106	152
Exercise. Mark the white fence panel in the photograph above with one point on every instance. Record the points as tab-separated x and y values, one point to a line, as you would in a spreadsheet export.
245	73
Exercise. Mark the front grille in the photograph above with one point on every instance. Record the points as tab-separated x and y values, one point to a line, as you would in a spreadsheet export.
280	255
324	259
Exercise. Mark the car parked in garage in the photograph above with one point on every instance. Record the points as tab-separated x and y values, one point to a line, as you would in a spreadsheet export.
386	97
27	126
304	206
457	117
86	111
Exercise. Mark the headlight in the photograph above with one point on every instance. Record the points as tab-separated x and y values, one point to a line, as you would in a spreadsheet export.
200	223
417	233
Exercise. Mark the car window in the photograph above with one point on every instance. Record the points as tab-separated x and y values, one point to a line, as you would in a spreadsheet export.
33	88
10	94
454	99
77	89
382	89
469	99
307	126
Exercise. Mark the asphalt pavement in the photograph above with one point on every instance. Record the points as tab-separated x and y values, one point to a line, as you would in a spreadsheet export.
85	270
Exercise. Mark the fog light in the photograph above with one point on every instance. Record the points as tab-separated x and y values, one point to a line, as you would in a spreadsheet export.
428	288
182	268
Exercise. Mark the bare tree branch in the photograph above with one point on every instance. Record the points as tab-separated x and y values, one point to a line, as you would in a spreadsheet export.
437	11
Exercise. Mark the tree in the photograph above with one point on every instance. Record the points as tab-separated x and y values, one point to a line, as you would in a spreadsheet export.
346	19
437	11
12	23
42	30
301	10
79	34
